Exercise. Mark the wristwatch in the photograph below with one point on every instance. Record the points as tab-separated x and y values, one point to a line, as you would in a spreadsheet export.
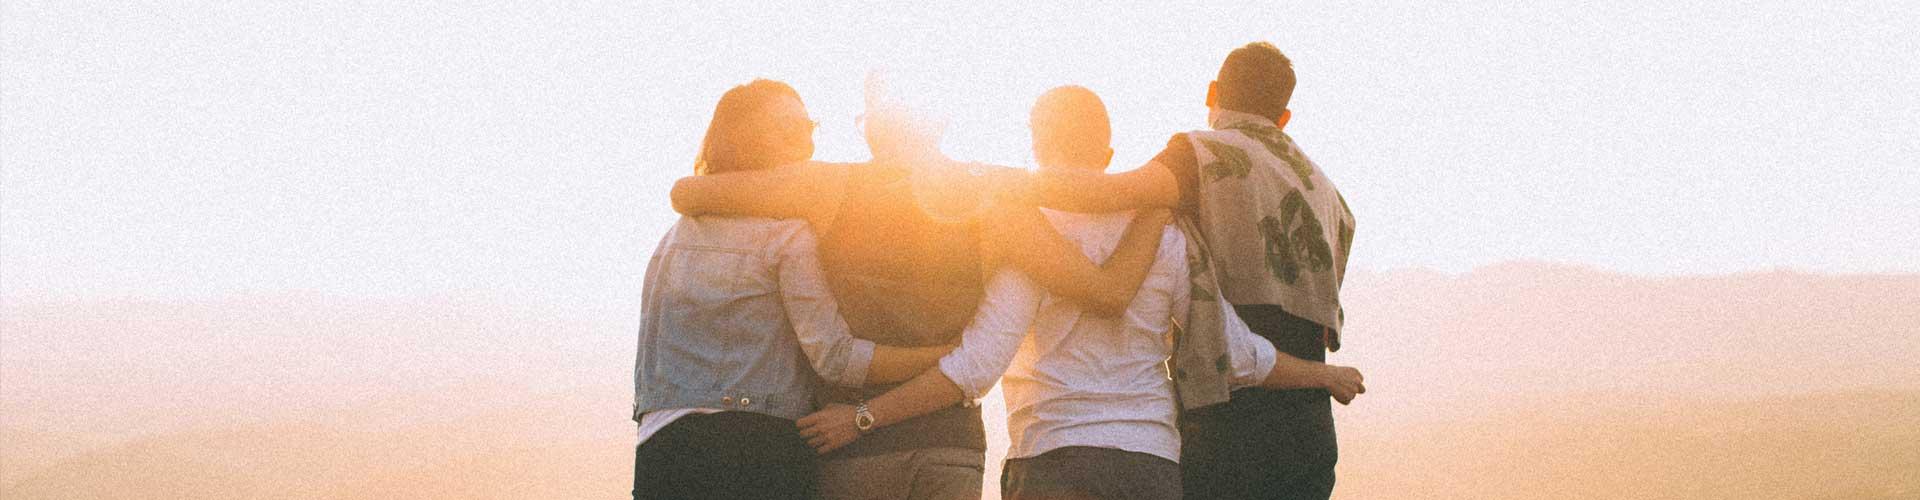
862	418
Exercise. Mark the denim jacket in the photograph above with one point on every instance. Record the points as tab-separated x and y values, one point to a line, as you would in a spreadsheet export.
730	308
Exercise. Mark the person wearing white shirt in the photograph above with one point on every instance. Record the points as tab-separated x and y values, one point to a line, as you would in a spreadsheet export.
1091	406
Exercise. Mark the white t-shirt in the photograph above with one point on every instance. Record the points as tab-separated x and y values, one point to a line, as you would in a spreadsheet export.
653	421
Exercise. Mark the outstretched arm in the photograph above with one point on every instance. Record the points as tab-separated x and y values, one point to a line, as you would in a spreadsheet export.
1170	180
1342	382
1150	186
986	348
1021	237
1255	362
808	190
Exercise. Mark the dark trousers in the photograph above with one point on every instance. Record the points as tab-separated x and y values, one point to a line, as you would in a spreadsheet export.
1264	443
726	455
1090	473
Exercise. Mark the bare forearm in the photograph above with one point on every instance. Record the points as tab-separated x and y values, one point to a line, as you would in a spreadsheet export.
1149	186
1127	268
712	194
1294	373
805	191
1022	238
898	364
926	393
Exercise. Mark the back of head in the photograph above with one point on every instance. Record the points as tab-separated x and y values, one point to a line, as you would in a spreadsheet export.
755	126
894	129
1256	79
1071	129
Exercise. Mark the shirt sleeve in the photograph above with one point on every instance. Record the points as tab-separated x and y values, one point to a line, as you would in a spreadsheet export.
1179	160
837	356
1250	356
987	345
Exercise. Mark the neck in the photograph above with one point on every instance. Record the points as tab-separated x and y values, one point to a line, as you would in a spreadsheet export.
1220	118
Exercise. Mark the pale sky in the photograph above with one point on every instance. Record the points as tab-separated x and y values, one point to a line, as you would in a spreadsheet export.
523	149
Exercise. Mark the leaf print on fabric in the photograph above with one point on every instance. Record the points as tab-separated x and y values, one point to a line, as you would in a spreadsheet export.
1295	241
1196	270
1281	147
1228	161
1279	254
1346	225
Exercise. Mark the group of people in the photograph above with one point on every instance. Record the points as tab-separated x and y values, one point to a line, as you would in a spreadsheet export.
824	330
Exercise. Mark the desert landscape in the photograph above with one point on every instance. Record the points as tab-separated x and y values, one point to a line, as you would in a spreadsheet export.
1519	380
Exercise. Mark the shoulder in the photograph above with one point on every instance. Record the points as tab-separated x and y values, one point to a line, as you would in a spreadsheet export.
786	233
743	232
1178	154
1178	144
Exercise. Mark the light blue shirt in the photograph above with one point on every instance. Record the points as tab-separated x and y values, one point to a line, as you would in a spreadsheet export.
730	307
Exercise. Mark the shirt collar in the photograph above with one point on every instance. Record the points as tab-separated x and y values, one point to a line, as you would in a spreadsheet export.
1221	118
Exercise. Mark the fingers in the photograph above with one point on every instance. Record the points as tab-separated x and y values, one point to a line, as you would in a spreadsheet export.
830	446
826	443
1345	395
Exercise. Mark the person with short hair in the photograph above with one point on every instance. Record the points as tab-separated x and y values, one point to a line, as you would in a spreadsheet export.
1270	228
1091	409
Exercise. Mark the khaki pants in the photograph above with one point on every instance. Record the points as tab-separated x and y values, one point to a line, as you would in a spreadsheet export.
918	474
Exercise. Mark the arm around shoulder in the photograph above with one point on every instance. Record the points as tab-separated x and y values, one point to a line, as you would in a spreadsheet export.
1020	236
811	191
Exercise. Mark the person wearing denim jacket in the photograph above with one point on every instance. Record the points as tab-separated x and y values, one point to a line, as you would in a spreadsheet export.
738	331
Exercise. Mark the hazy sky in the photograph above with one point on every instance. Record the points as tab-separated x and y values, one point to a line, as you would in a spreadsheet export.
524	149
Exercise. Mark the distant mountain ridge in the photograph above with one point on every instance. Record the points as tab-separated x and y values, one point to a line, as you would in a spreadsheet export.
1469	374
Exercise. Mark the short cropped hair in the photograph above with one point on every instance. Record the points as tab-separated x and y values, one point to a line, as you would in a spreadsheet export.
1070	123
1256	79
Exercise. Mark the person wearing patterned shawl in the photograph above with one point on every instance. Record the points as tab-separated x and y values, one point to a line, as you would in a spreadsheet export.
1270	235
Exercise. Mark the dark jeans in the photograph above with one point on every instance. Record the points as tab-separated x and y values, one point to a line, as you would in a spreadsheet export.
726	455
1090	473
1264	443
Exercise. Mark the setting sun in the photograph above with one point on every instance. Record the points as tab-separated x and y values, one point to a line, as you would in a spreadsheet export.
365	250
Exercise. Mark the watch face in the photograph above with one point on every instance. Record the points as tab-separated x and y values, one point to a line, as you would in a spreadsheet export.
863	421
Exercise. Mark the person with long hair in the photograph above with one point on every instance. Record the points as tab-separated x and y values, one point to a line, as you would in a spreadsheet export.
907	240
737	330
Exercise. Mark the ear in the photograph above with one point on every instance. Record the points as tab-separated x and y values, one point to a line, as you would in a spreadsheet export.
1213	94
1285	116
